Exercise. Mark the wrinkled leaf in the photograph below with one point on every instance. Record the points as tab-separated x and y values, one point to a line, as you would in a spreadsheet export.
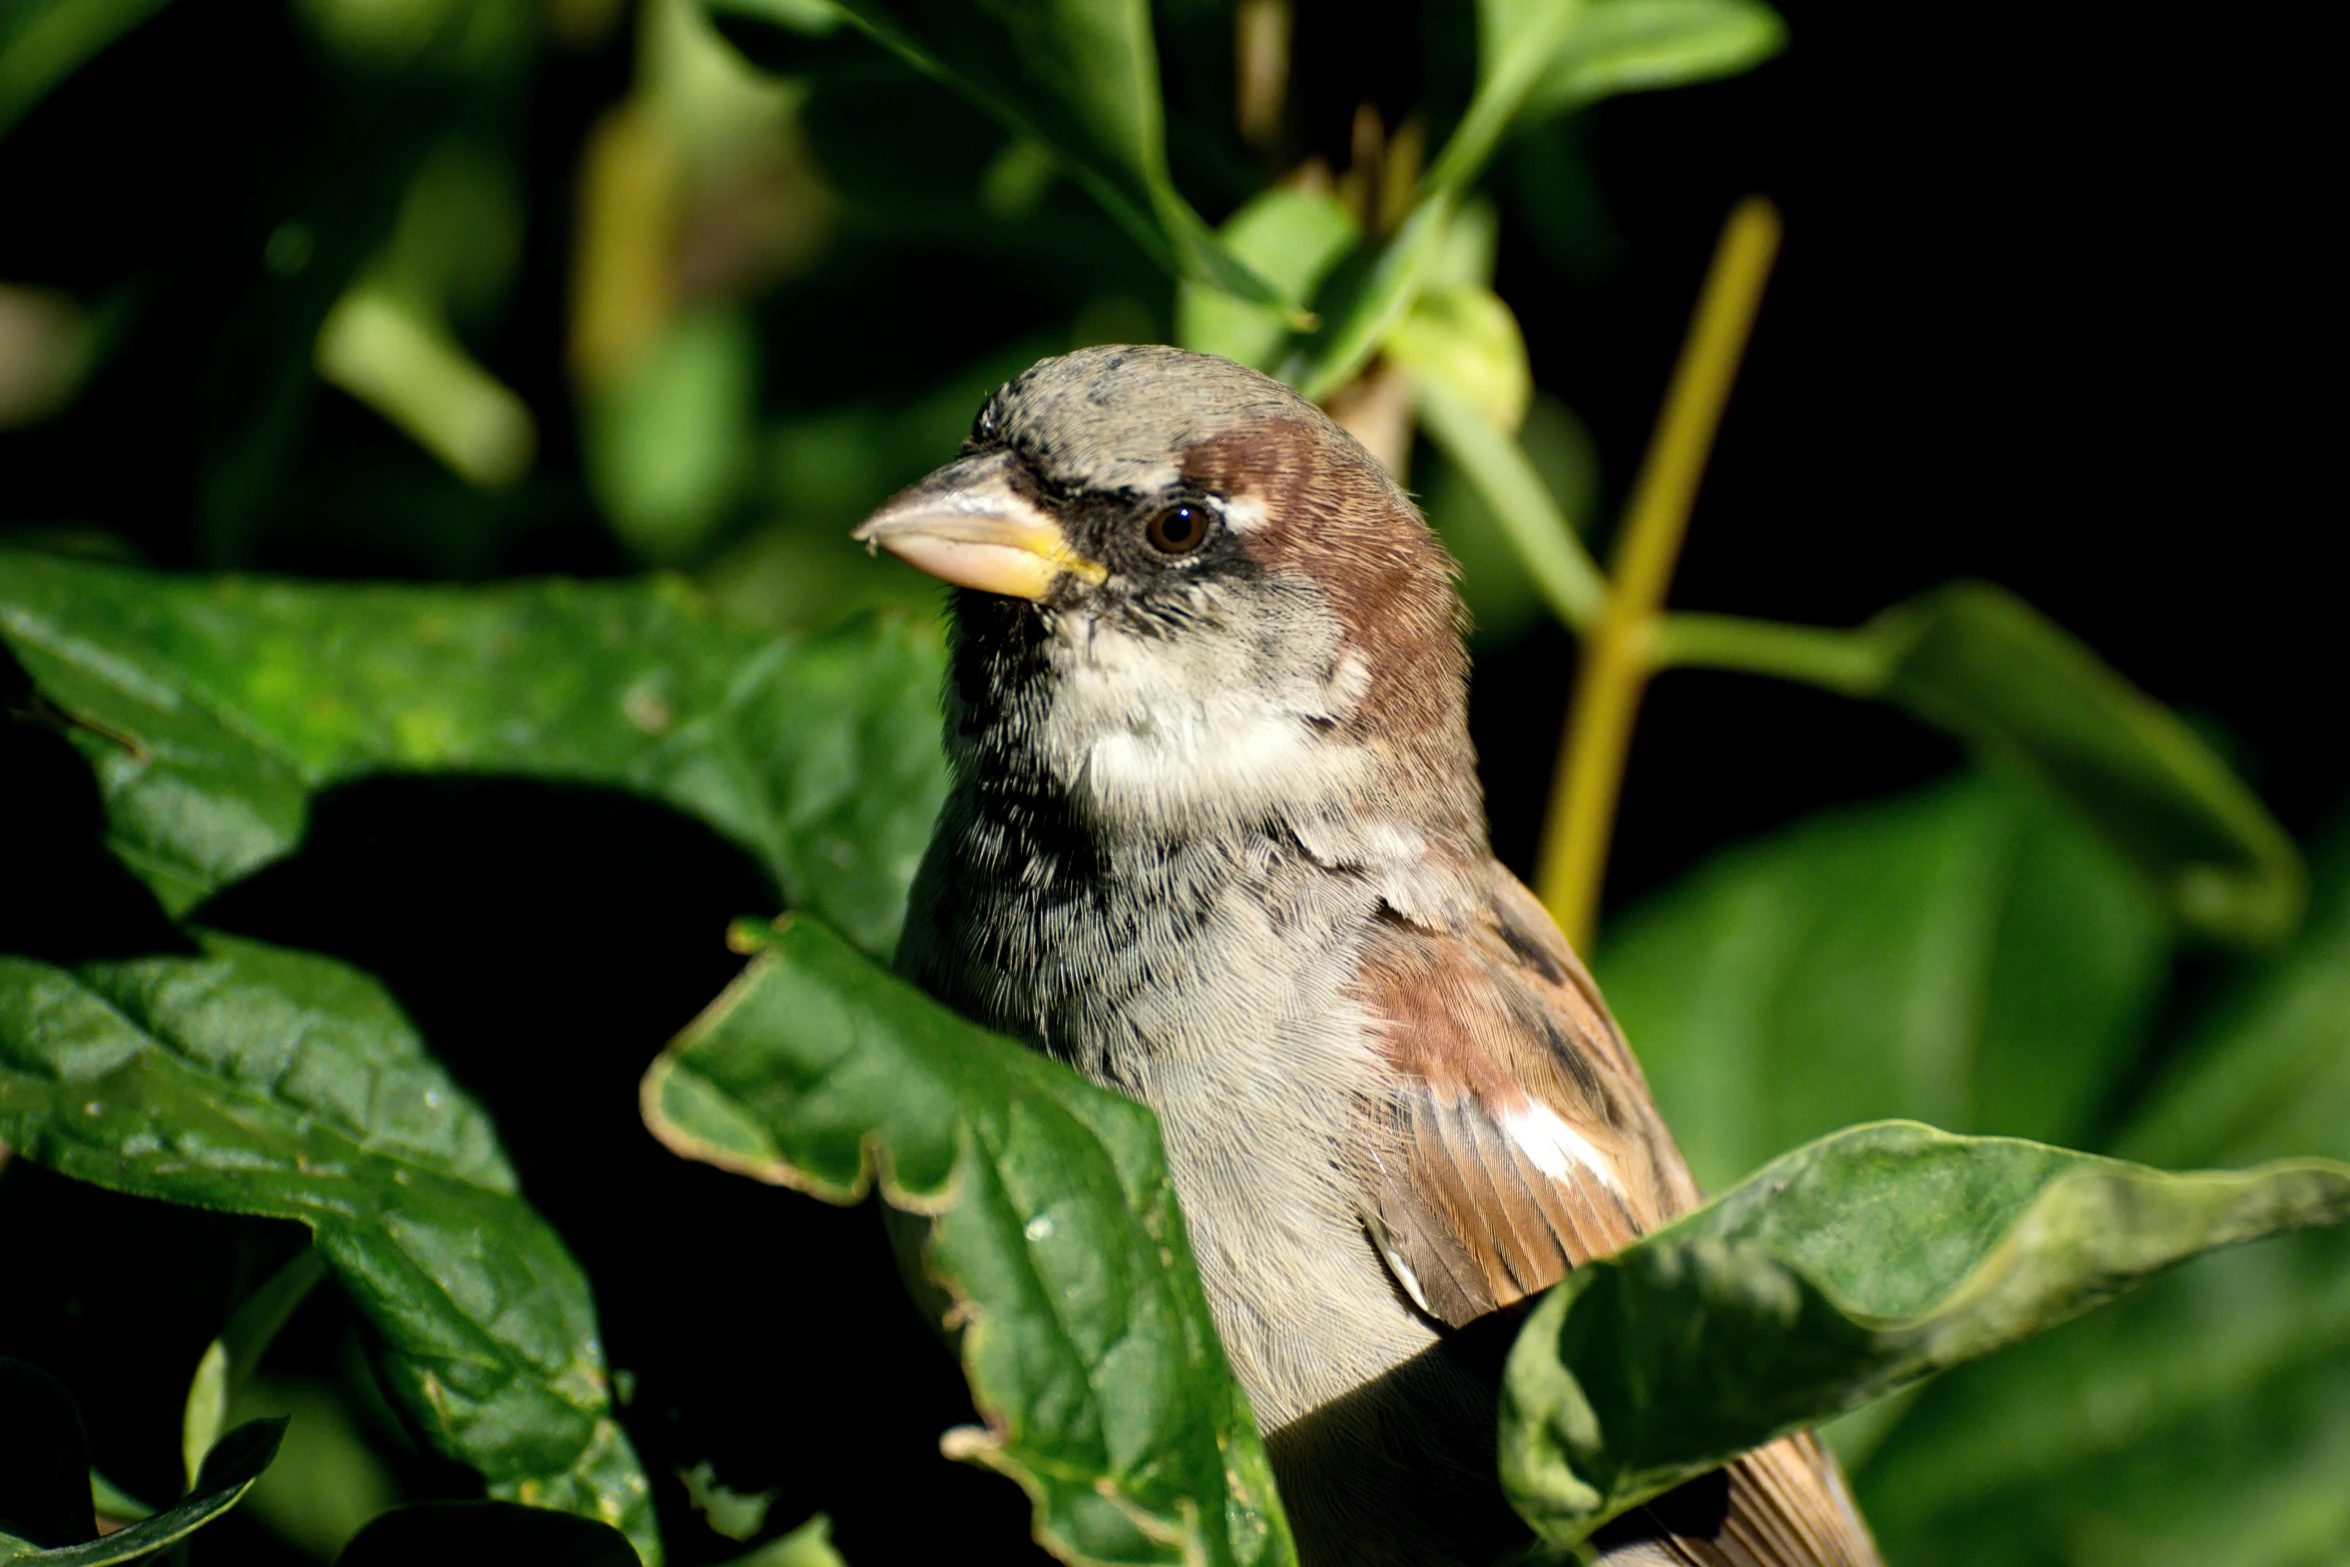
484	1532
1970	954
1979	661
230	1469
217	706
1086	1339
265	1081
1621	46
2204	1421
1837	1273
1079	76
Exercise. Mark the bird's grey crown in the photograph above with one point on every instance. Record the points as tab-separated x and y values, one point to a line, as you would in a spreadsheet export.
1077	424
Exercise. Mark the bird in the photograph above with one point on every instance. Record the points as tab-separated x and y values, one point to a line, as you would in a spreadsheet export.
1214	837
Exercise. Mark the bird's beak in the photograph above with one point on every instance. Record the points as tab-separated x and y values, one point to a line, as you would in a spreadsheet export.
967	525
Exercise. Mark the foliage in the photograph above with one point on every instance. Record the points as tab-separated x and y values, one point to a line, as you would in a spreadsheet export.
278	945
45	1512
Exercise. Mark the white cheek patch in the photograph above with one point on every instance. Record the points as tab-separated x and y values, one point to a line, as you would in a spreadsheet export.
1349	683
1553	1145
1241	513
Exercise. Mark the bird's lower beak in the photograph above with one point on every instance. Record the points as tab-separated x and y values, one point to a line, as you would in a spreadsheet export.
967	525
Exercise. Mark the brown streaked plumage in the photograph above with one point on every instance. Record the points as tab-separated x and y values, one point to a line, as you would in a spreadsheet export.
1216	839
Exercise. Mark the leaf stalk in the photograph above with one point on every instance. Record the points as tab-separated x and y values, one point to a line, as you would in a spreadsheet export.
1623	650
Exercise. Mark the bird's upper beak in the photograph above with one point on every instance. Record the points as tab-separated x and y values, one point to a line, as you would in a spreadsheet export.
967	525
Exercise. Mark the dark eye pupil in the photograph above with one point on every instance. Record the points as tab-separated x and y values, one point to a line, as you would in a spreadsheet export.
1177	529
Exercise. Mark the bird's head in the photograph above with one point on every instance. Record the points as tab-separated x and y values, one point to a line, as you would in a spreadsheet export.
1193	602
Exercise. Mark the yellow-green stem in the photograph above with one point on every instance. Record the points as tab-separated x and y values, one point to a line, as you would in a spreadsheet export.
1620	654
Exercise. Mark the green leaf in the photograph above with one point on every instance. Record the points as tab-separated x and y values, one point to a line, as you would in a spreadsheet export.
1980	662
1365	302
1078	76
1526	49
1970	954
42	42
1537	542
1516	41
265	1081
1463	338
1083	1331
484	1532
2205	1421
1292	238
1835	1274
229	1360
1363	299
230	1469
2269	1068
669	442
1505	507
810	1545
217	706
1621	46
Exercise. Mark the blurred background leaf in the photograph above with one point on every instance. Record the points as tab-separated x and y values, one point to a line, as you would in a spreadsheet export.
2102	1443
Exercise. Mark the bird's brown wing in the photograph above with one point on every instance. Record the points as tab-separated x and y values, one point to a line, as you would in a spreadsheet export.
1521	1142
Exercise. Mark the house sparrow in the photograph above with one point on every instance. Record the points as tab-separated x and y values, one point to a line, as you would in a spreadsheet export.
1215	839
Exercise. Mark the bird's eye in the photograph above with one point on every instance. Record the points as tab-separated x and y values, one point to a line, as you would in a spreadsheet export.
1178	530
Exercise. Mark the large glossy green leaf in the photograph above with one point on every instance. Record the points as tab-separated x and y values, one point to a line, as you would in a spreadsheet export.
214	707
2205	1421
1087	1341
1079	76
229	1471
260	1080
1837	1273
1971	954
